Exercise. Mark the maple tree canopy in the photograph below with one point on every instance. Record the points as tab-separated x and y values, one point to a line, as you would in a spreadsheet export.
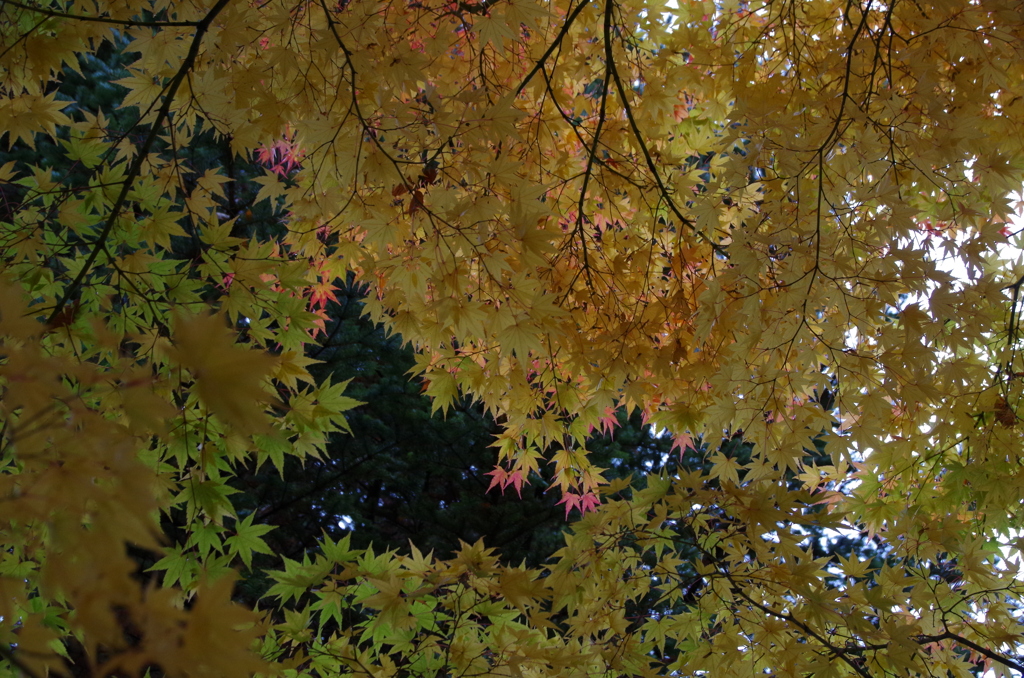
783	221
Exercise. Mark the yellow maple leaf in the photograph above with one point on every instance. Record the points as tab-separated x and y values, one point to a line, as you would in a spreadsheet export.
229	378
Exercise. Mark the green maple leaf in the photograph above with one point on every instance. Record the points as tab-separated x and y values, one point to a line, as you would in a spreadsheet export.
247	539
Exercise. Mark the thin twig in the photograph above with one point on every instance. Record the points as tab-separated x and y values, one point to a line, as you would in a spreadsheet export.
100	19
562	32
143	151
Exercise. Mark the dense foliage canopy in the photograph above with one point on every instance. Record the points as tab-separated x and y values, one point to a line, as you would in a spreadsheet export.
774	231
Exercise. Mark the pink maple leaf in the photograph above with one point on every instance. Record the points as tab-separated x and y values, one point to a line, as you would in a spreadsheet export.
501	479
683	441
588	501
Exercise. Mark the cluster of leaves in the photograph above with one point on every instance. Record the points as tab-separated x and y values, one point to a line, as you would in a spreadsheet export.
402	474
659	583
76	491
128	407
710	216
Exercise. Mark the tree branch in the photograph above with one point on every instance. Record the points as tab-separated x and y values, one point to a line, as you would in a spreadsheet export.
563	31
983	651
143	150
99	19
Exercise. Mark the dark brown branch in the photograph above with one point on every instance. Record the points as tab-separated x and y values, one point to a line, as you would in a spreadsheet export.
983	651
662	188
136	167
100	19
563	31
837	651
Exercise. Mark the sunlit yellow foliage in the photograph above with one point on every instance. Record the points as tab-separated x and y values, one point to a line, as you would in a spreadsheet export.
715	213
